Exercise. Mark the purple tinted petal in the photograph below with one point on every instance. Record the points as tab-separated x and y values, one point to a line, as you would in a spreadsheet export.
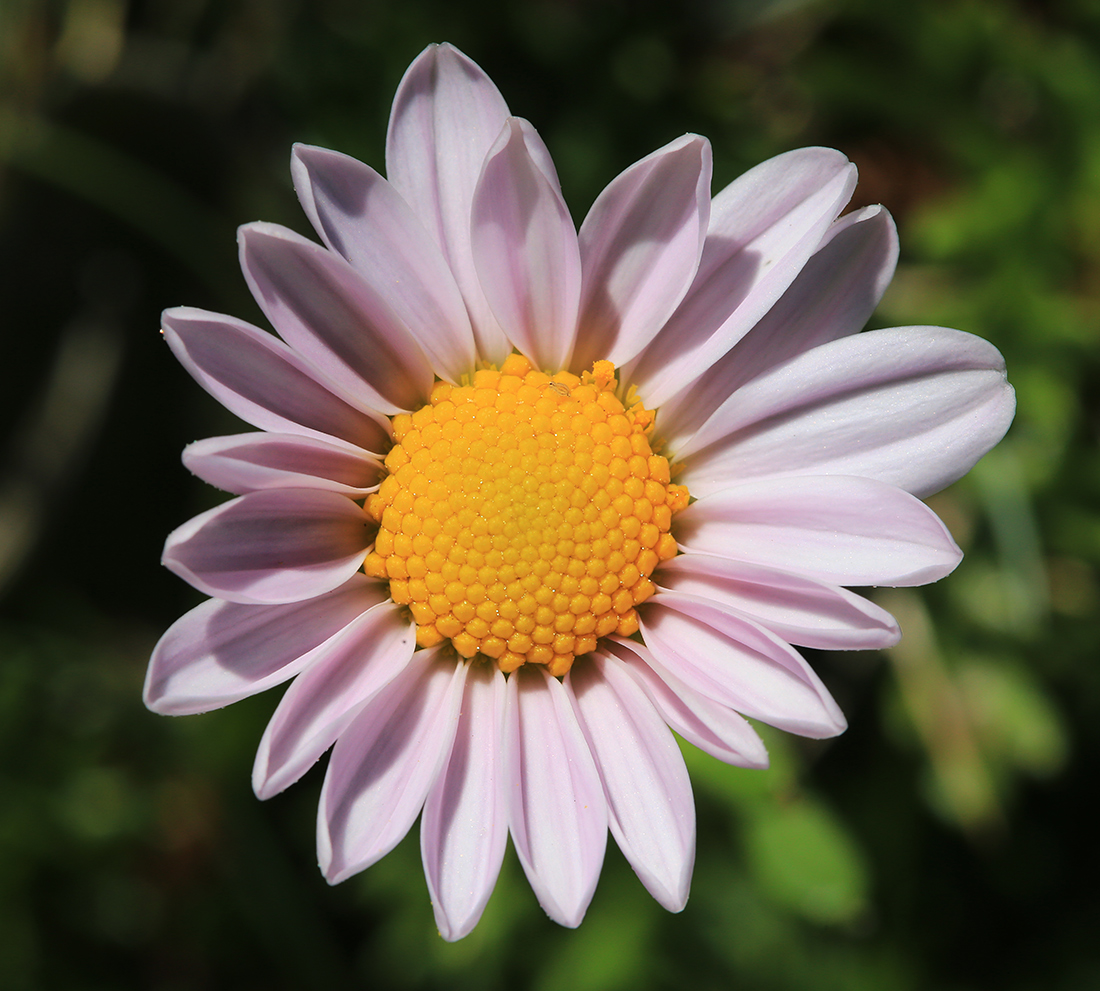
833	296
342	675
640	246
256	376
221	652
708	725
763	228
385	763
557	810
738	663
248	462
830	528
464	829
279	545
801	611
650	806
913	406
446	115
525	249
362	217
324	310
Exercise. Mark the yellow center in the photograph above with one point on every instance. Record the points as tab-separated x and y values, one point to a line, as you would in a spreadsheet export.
523	514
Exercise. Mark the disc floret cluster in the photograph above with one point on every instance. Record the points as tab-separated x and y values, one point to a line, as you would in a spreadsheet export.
523	514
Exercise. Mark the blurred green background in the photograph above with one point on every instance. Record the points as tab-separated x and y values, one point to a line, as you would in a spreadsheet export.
946	841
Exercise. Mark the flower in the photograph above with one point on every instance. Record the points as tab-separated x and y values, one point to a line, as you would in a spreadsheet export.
525	498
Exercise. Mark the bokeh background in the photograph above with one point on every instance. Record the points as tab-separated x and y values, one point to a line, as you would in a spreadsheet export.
946	841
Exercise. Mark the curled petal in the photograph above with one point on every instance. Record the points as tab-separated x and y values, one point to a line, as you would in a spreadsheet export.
738	663
763	228
446	115
915	407
278	545
708	725
557	810
248	462
221	652
640	246
651	811
831	528
324	310
363	218
833	296
525	249
256	376
801	611
385	763
341	677
464	829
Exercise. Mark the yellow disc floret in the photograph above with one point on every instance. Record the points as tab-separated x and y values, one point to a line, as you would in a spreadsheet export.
523	514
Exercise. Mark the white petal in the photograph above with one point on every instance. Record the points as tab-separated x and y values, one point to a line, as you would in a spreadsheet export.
351	668
801	611
525	249
714	728
385	763
915	407
324	310
651	811
446	115
362	217
277	545
248	462
833	296
763	228
255	375
831	528
640	246
464	829
221	652
557	810
737	663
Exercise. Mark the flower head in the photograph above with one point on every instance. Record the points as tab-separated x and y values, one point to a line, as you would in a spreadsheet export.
524	498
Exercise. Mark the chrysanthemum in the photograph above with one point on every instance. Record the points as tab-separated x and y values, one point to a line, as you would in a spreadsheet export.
525	498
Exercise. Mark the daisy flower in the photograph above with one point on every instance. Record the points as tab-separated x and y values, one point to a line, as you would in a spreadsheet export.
526	499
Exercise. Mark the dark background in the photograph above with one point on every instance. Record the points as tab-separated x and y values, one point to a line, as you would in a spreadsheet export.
947	841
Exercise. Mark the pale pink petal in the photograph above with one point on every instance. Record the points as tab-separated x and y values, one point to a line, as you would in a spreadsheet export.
651	811
279	545
244	463
341	677
831	528
256	376
385	763
446	115
362	217
640	246
912	406
221	652
763	228
801	611
525	250
714	728
324	310
737	663
464	829
833	296
557	809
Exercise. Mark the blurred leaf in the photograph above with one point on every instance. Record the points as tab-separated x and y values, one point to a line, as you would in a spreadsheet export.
1016	722
963	787
804	859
